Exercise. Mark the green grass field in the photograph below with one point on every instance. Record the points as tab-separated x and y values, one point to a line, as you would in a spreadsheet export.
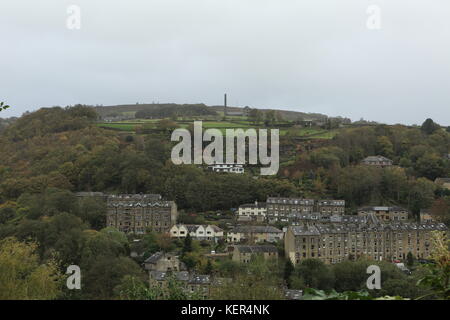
326	135
139	121
224	124
130	126
129	113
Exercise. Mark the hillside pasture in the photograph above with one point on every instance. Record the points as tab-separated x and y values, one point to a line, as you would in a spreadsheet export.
131	125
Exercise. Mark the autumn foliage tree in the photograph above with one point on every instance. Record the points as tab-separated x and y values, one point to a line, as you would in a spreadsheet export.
23	276
440	210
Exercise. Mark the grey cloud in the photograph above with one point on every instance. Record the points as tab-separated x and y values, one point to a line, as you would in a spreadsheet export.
311	56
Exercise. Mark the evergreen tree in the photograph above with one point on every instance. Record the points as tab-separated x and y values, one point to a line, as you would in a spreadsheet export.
429	126
409	259
288	270
187	247
209	267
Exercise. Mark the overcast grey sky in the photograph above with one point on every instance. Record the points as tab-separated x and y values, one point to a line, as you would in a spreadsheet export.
309	56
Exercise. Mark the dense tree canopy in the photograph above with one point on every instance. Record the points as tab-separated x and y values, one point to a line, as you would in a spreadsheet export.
49	154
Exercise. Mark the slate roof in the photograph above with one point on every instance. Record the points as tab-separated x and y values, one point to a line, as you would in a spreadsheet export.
137	200
159	203
255	229
306	216
154	258
370	225
348	219
307	230
325	202
180	276
382	208
316	216
376	159
295	201
137	196
216	228
192	227
200	279
158	275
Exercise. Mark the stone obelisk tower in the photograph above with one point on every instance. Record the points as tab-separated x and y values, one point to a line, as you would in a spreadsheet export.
225	105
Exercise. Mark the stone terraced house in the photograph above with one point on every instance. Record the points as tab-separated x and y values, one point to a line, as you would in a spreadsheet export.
252	212
335	242
385	213
140	213
284	209
254	234
244	253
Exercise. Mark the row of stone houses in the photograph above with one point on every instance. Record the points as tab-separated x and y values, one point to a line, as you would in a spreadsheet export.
279	209
190	282
334	242
197	232
140	213
238	234
162	267
254	234
294	209
170	262
317	218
